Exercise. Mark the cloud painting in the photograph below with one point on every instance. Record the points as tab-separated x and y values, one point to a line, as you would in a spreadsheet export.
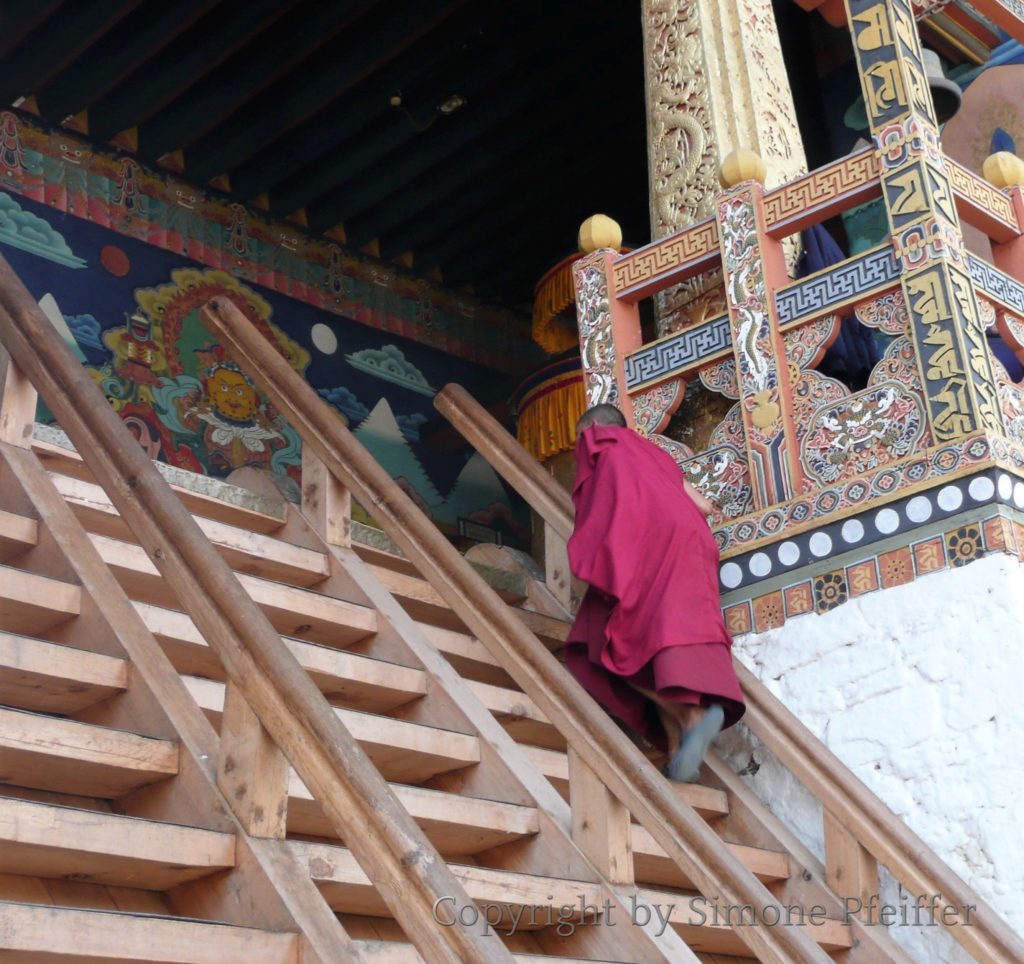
86	330
341	398
29	232
390	364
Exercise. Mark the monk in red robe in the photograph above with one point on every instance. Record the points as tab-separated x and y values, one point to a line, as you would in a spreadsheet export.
648	643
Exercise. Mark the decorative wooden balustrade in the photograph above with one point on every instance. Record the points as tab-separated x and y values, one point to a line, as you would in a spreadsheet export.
803	469
859	831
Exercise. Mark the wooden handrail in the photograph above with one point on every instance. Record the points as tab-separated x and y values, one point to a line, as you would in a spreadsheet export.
404	866
685	837
876	827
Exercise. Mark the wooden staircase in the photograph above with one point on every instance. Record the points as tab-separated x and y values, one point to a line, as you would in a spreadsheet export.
374	785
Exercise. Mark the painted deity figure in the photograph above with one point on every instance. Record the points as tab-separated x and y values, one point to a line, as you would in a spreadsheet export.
238	429
138	356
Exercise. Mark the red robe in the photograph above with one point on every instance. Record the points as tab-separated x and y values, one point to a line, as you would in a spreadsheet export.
652	614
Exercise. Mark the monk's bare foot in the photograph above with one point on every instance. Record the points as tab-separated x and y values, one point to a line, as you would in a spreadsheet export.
684	765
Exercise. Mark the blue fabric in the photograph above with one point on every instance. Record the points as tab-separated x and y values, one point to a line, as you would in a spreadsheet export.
1002	141
854	353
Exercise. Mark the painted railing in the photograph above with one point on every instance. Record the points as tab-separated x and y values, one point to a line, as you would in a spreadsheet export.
859	831
799	453
605	766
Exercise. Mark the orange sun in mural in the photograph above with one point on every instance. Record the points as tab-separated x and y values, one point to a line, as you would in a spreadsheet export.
115	260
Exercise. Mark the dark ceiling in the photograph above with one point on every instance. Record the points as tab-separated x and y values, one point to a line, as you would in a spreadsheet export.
288	105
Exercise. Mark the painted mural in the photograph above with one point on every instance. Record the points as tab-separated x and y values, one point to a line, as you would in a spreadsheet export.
130	311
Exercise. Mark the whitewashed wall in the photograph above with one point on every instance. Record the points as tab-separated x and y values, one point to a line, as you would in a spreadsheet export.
919	689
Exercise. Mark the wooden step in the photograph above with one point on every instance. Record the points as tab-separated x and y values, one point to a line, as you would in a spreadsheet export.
43	840
651	865
359	682
246	509
49	678
456	825
519	715
291	610
709	802
34	933
244	550
397	952
17	533
81	758
535	901
403	751
30	604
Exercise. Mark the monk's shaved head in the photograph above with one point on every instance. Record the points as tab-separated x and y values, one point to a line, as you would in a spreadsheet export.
601	415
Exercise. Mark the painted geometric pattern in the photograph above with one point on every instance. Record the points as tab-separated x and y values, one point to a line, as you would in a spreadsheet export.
981	193
673	355
827	184
953	548
861	530
997	285
666	255
850	280
913	470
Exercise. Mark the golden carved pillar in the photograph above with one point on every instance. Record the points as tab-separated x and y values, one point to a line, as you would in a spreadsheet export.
716	82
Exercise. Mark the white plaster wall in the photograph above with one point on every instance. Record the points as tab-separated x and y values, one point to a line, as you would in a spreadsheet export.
919	689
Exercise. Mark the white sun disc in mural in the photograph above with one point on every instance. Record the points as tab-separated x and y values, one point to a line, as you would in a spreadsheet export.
324	340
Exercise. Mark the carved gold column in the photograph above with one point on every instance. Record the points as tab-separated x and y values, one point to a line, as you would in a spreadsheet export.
716	82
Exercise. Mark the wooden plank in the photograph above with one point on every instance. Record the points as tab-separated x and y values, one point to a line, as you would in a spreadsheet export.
17	533
518	714
31	604
359	682
81	758
456	825
849	869
252	771
43	840
348	889
652	865
600	824
326	503
403	751
37	934
467	654
291	610
63	460
50	678
244	550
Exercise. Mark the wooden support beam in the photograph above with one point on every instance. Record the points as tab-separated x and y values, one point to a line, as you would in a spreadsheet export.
252	772
17	403
600	824
42	933
326	503
849	869
43	840
31	604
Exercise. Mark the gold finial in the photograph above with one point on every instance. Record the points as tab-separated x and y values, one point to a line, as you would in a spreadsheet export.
1003	169
742	165
599	231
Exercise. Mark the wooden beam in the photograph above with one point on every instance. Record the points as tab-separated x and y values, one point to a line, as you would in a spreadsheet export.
849	869
251	770
31	604
17	403
306	92
45	933
72	757
42	840
600	824
58	43
236	83
20	18
17	534
326	503
457	825
407	869
48	678
182	64
126	49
